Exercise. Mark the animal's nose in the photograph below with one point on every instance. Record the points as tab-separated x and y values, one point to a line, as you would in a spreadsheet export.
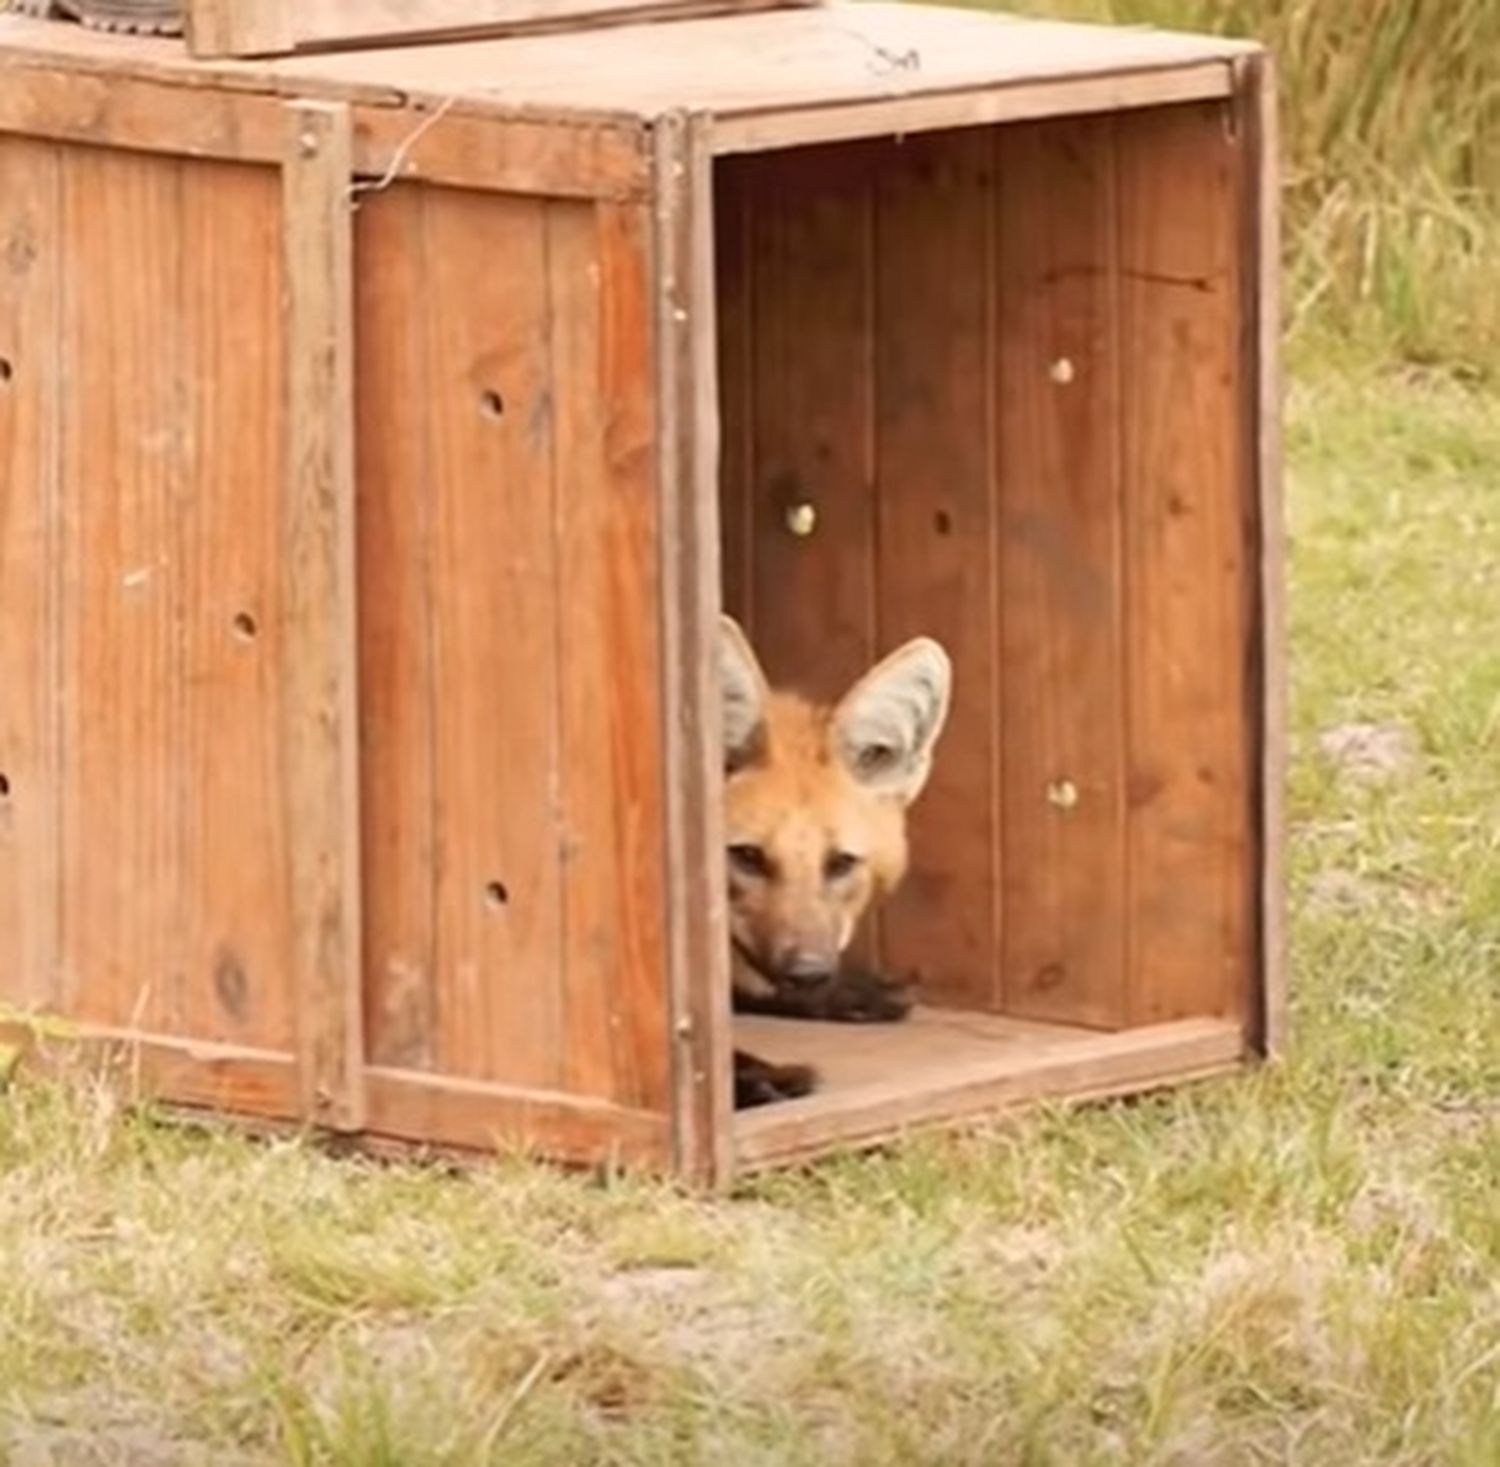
805	965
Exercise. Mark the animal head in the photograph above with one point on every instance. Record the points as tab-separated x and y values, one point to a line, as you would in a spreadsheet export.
815	801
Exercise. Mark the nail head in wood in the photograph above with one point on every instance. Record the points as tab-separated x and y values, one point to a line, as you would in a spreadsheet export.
802	519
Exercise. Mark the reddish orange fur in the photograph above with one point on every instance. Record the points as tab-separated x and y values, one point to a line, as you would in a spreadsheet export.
798	802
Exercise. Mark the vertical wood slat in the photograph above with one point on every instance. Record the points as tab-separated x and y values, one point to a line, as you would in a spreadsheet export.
235	928
321	649
491	583
125	461
811	240
1188	516
396	505
615	1041
935	506
1261	341
734	286
692	748
30	517
1062	649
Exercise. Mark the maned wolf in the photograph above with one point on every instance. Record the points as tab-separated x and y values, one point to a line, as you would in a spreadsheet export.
815	803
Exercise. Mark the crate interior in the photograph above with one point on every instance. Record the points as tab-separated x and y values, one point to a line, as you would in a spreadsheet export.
1006	367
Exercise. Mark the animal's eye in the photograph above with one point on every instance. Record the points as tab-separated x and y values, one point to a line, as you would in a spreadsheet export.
749	860
839	864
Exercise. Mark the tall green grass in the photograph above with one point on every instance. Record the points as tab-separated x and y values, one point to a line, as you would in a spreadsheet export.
1390	118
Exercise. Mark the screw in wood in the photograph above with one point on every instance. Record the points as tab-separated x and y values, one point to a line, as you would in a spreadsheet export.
1061	371
1062	794
801	519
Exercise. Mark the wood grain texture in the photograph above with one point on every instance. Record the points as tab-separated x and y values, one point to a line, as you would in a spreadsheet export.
234	914
761	130
320	714
1188	513
614	942
127	464
513	776
228	1079
494	598
812	599
937	1084
687	436
577	156
1262	346
935	536
276	27
398	711
1060	575
30	509
734	287
480	1116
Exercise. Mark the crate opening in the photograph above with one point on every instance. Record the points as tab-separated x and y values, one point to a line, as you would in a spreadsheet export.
990	385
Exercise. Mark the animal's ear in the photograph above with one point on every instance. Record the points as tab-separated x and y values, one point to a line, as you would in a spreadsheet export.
744	691
888	723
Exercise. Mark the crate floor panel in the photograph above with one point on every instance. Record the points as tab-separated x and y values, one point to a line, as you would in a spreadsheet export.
945	1065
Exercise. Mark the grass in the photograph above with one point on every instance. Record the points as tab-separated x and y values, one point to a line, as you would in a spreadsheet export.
1297	1267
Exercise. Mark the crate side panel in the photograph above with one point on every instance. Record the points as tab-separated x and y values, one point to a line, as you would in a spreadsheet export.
175	897
468	339
29	305
1188	518
935	573
1059	581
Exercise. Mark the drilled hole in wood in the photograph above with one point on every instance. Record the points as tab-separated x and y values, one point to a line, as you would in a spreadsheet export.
4	786
245	627
495	895
6	371
942	522
491	404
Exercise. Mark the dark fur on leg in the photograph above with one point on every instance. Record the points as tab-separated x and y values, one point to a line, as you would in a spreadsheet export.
853	996
757	1082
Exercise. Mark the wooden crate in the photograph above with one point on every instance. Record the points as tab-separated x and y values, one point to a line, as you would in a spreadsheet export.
381	435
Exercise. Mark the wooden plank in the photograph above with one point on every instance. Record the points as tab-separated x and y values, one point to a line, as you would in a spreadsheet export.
1088	1069
491	582
755	131
228	1079
1188	509
687	466
577	156
30	507
126	464
235	921
616	1041
321	710
935	533
446	1111
398	708
927	1046
812	597
1060	589
734	275
441	141
276	27
1262	345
